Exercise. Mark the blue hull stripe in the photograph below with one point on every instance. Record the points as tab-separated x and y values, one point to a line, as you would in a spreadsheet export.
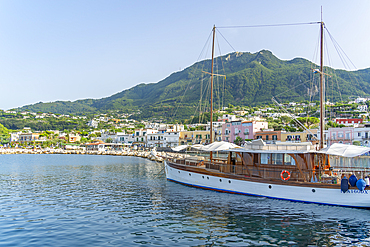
250	194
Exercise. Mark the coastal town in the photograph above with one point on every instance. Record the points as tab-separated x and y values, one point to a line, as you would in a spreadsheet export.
347	123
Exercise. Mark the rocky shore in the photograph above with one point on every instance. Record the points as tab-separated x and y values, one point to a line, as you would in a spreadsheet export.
152	155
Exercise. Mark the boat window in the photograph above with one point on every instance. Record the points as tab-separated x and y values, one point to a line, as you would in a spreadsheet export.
288	160
265	158
277	159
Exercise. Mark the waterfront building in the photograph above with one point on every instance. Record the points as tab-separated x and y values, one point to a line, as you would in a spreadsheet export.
140	137
14	137
243	129
217	130
362	135
218	133
171	138
269	136
340	135
74	138
28	137
114	137
154	138
298	136
194	137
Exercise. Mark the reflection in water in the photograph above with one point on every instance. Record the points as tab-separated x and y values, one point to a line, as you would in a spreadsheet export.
64	200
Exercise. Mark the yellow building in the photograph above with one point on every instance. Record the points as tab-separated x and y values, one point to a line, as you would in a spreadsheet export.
304	136
194	137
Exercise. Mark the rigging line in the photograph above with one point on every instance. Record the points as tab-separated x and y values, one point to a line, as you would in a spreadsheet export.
226	40
220	96
340	51
272	25
223	70
198	107
205	45
292	116
316	53
333	71
341	56
292	88
334	41
187	87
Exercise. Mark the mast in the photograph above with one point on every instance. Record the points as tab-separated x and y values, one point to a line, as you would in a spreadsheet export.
213	49
211	127
322	101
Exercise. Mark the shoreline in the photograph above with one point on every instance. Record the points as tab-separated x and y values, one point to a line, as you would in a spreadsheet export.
154	156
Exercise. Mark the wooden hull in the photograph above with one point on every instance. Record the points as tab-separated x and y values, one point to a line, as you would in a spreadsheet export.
298	192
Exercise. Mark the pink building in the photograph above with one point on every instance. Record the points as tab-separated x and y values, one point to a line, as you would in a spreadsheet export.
243	129
340	135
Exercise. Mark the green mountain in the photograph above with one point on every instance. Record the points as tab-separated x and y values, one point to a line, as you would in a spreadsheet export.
251	79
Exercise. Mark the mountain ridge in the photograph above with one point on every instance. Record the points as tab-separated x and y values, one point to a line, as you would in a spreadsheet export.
252	79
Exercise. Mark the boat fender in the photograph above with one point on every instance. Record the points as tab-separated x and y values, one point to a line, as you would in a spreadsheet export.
361	184
352	180
367	180
344	184
285	175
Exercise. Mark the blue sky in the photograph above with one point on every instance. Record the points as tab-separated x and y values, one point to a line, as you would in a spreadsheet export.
69	50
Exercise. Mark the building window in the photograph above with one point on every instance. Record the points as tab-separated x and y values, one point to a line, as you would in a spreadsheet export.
246	132
259	137
267	137
347	136
274	137
340	134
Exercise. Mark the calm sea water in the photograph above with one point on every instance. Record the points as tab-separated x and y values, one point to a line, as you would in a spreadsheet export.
77	200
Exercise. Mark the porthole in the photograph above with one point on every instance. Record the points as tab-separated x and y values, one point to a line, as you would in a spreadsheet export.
220	180
270	187
179	171
229	181
203	177
313	190
189	174
207	177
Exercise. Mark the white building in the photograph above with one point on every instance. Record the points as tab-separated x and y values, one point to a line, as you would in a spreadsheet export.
171	138
362	108
93	123
362	135
361	100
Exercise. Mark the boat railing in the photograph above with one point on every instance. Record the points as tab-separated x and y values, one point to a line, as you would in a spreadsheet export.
329	176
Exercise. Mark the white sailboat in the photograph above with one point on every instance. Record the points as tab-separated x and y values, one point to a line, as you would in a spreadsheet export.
336	175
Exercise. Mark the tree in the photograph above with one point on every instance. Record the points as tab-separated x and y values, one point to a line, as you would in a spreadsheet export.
238	140
109	140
